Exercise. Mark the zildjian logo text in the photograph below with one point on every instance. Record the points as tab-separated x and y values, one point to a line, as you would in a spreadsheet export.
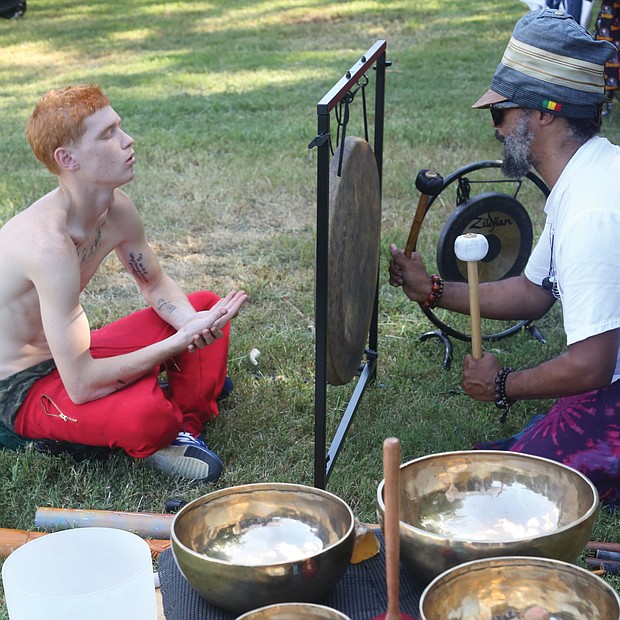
487	220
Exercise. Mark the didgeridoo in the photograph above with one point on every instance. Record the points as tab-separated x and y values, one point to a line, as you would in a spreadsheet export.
596	545
13	539
145	524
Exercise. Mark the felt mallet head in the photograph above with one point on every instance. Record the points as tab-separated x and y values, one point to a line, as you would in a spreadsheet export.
471	247
429	182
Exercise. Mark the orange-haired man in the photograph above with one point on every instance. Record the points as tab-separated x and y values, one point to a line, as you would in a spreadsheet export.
59	380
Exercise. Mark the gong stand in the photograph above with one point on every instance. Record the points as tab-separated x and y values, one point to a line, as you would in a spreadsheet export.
339	98
506	257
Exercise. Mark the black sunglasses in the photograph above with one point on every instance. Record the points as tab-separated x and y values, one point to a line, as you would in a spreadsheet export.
498	109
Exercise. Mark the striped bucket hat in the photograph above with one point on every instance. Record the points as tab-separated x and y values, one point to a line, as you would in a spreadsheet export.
553	64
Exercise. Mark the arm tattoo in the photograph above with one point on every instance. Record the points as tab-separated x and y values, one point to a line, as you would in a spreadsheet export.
165	306
137	267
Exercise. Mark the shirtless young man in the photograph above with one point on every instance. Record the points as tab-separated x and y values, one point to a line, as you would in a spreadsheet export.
58	380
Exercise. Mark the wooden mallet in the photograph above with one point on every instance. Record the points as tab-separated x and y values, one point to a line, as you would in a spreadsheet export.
428	183
471	248
391	529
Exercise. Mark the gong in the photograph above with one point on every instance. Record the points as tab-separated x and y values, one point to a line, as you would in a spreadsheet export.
354	237
505	223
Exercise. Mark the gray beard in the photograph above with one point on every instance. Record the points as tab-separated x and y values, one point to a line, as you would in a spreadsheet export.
517	150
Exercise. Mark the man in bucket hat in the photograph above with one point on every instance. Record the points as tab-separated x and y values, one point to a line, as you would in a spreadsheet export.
545	100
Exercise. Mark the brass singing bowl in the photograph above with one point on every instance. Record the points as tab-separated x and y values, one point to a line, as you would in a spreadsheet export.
260	544
513	587
463	506
294	611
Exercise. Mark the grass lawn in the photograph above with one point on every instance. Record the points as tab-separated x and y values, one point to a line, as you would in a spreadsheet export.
220	97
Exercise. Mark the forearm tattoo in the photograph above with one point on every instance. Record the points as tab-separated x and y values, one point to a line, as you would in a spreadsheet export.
137	267
165	306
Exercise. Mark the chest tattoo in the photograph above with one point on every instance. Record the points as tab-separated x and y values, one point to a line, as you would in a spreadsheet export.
86	250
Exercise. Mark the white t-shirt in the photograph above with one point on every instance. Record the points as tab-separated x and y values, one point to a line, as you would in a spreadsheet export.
583	227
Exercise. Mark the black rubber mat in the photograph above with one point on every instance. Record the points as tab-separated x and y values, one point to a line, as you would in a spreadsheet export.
361	594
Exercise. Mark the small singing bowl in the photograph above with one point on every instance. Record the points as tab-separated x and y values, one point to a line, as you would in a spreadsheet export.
255	545
294	611
461	506
519	587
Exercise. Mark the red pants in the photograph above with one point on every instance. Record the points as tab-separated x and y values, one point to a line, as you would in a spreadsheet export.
140	418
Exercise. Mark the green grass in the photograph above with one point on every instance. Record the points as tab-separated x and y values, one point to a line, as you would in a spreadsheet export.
221	99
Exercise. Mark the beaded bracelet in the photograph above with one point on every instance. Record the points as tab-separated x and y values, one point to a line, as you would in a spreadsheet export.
436	290
501	400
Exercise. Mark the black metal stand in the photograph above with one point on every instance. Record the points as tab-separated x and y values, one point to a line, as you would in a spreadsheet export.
324	461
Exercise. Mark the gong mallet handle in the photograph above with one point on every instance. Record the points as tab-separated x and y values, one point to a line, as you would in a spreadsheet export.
428	183
471	248
391	529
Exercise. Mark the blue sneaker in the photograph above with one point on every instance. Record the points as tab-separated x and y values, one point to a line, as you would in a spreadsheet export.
227	389
188	457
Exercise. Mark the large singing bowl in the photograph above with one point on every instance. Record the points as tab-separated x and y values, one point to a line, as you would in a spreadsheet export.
463	506
259	544
294	611
519	587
